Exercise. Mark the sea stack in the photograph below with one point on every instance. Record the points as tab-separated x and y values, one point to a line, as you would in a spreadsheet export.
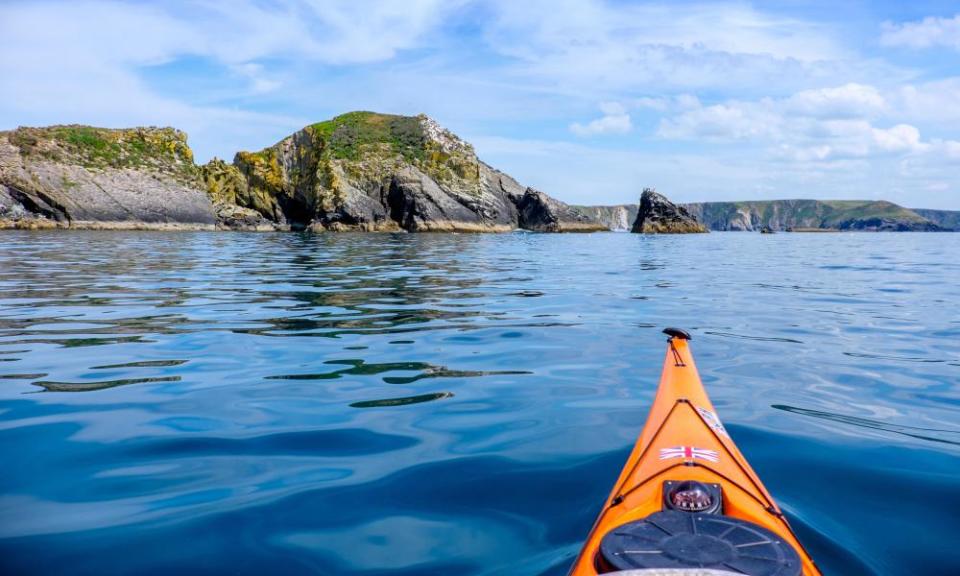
657	215
541	213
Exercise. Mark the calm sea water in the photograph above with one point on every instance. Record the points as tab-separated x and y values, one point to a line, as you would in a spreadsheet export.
458	404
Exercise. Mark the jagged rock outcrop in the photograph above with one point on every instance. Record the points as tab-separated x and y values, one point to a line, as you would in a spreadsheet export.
541	213
83	177
236	206
657	215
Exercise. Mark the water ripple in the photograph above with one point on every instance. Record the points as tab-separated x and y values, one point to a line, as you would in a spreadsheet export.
946	436
369	403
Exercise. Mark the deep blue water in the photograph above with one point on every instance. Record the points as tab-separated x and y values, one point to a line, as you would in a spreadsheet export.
458	404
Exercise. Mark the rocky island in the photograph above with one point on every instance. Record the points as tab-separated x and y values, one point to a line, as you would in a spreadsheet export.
360	171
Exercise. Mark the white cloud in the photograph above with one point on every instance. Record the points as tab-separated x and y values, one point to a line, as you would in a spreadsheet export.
260	83
927	33
668	103
603	48
843	142
821	125
85	61
931	102
824	112
582	174
615	120
849	100
899	138
729	121
952	149
588	25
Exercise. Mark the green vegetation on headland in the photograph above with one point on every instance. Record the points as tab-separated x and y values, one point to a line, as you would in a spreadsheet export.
358	171
348	135
81	176
947	219
799	216
870	215
151	148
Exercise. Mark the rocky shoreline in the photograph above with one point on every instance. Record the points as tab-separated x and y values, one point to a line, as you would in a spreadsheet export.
360	171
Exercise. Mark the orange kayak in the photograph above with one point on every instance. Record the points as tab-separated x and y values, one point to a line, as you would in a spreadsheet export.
687	501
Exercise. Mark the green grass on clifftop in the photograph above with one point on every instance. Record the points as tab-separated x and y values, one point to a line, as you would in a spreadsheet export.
162	149
348	135
846	210
370	143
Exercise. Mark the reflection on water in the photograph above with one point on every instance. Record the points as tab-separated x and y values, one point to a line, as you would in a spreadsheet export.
401	401
98	385
144	364
949	436
410	404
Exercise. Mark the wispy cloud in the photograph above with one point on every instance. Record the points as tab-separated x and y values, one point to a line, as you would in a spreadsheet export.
849	121
615	120
594	45
86	61
926	33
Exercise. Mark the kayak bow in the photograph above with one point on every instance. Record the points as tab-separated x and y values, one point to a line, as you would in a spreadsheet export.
687	500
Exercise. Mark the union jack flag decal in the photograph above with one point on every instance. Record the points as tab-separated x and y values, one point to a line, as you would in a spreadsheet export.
689	453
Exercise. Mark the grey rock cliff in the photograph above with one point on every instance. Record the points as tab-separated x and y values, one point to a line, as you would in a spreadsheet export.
369	171
82	177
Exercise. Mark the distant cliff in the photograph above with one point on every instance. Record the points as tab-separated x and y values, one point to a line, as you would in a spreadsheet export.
946	219
864	215
359	171
618	217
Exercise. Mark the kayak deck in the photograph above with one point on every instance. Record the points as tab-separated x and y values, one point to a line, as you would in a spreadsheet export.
684	440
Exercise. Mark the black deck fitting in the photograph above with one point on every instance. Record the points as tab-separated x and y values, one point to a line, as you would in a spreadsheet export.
677	333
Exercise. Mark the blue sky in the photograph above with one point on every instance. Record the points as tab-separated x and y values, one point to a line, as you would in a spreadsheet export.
589	100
